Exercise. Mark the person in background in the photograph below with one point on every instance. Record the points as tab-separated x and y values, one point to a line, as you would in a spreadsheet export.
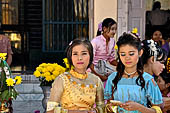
77	91
5	47
157	36
158	17
153	59
130	85
103	49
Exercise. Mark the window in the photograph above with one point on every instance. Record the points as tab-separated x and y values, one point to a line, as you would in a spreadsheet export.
64	20
9	11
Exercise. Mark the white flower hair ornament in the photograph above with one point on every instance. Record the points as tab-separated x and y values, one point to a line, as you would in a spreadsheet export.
70	43
153	50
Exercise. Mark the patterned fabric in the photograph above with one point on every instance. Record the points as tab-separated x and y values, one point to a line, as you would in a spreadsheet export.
5	45
101	51
127	89
78	94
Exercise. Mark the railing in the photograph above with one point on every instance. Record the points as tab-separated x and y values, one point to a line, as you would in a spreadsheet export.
64	20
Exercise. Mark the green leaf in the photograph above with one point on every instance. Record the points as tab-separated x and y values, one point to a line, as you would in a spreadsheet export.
5	95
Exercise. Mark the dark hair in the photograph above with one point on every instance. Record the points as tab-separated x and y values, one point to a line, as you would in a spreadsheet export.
151	48
133	40
79	41
156	5
107	22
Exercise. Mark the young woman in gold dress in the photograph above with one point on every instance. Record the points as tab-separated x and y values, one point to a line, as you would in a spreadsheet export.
77	91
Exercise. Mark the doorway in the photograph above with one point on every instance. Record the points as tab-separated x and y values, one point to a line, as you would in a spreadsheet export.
165	28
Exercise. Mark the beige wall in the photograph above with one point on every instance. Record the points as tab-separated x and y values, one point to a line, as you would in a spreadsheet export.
104	9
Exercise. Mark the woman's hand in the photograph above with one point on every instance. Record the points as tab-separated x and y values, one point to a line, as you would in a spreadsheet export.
130	106
82	111
111	107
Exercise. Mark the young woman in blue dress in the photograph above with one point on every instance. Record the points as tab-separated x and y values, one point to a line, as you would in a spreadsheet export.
130	85
153	59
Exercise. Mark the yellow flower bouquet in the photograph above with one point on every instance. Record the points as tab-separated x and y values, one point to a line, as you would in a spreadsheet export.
7	83
47	72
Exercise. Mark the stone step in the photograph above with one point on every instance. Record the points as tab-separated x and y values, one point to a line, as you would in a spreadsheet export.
29	89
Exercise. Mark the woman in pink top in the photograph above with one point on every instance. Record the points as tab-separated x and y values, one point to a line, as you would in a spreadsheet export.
103	49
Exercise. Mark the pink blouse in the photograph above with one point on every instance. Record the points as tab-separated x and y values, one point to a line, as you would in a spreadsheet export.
102	51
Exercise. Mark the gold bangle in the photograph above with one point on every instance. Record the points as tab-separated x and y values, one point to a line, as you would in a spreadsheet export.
51	105
107	108
157	109
64	110
97	111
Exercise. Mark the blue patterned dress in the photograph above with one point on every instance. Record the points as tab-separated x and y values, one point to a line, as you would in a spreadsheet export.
127	89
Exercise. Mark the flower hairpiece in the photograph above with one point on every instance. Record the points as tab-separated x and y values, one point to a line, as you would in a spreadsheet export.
70	43
116	47
135	30
152	48
134	33
100	26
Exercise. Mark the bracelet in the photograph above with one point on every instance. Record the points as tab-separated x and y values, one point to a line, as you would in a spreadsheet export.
60	110
97	111
51	105
64	110
157	109
107	108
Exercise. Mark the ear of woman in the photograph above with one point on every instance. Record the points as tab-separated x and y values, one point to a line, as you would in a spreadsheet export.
141	53
151	60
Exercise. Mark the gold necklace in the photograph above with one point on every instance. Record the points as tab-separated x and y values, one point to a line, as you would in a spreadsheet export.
83	84
128	74
78	75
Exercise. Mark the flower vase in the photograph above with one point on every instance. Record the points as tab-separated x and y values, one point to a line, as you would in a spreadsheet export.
46	92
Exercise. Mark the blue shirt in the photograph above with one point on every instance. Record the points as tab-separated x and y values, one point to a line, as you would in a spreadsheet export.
127	89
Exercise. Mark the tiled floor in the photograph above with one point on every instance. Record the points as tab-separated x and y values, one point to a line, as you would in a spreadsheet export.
29	106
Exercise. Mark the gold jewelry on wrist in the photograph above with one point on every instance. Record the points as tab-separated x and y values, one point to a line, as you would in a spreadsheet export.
64	110
107	108
51	105
60	110
97	111
157	109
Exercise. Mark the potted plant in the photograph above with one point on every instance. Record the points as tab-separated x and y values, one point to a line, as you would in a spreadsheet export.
7	83
47	72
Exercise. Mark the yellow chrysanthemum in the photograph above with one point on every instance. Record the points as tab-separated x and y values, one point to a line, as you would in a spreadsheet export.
18	80
47	74
44	70
3	56
48	78
56	73
39	69
37	73
55	64
53	77
116	47
50	68
10	82
49	71
66	62
42	75
135	30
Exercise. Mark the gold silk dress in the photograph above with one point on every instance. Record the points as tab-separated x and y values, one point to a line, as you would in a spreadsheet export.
75	91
